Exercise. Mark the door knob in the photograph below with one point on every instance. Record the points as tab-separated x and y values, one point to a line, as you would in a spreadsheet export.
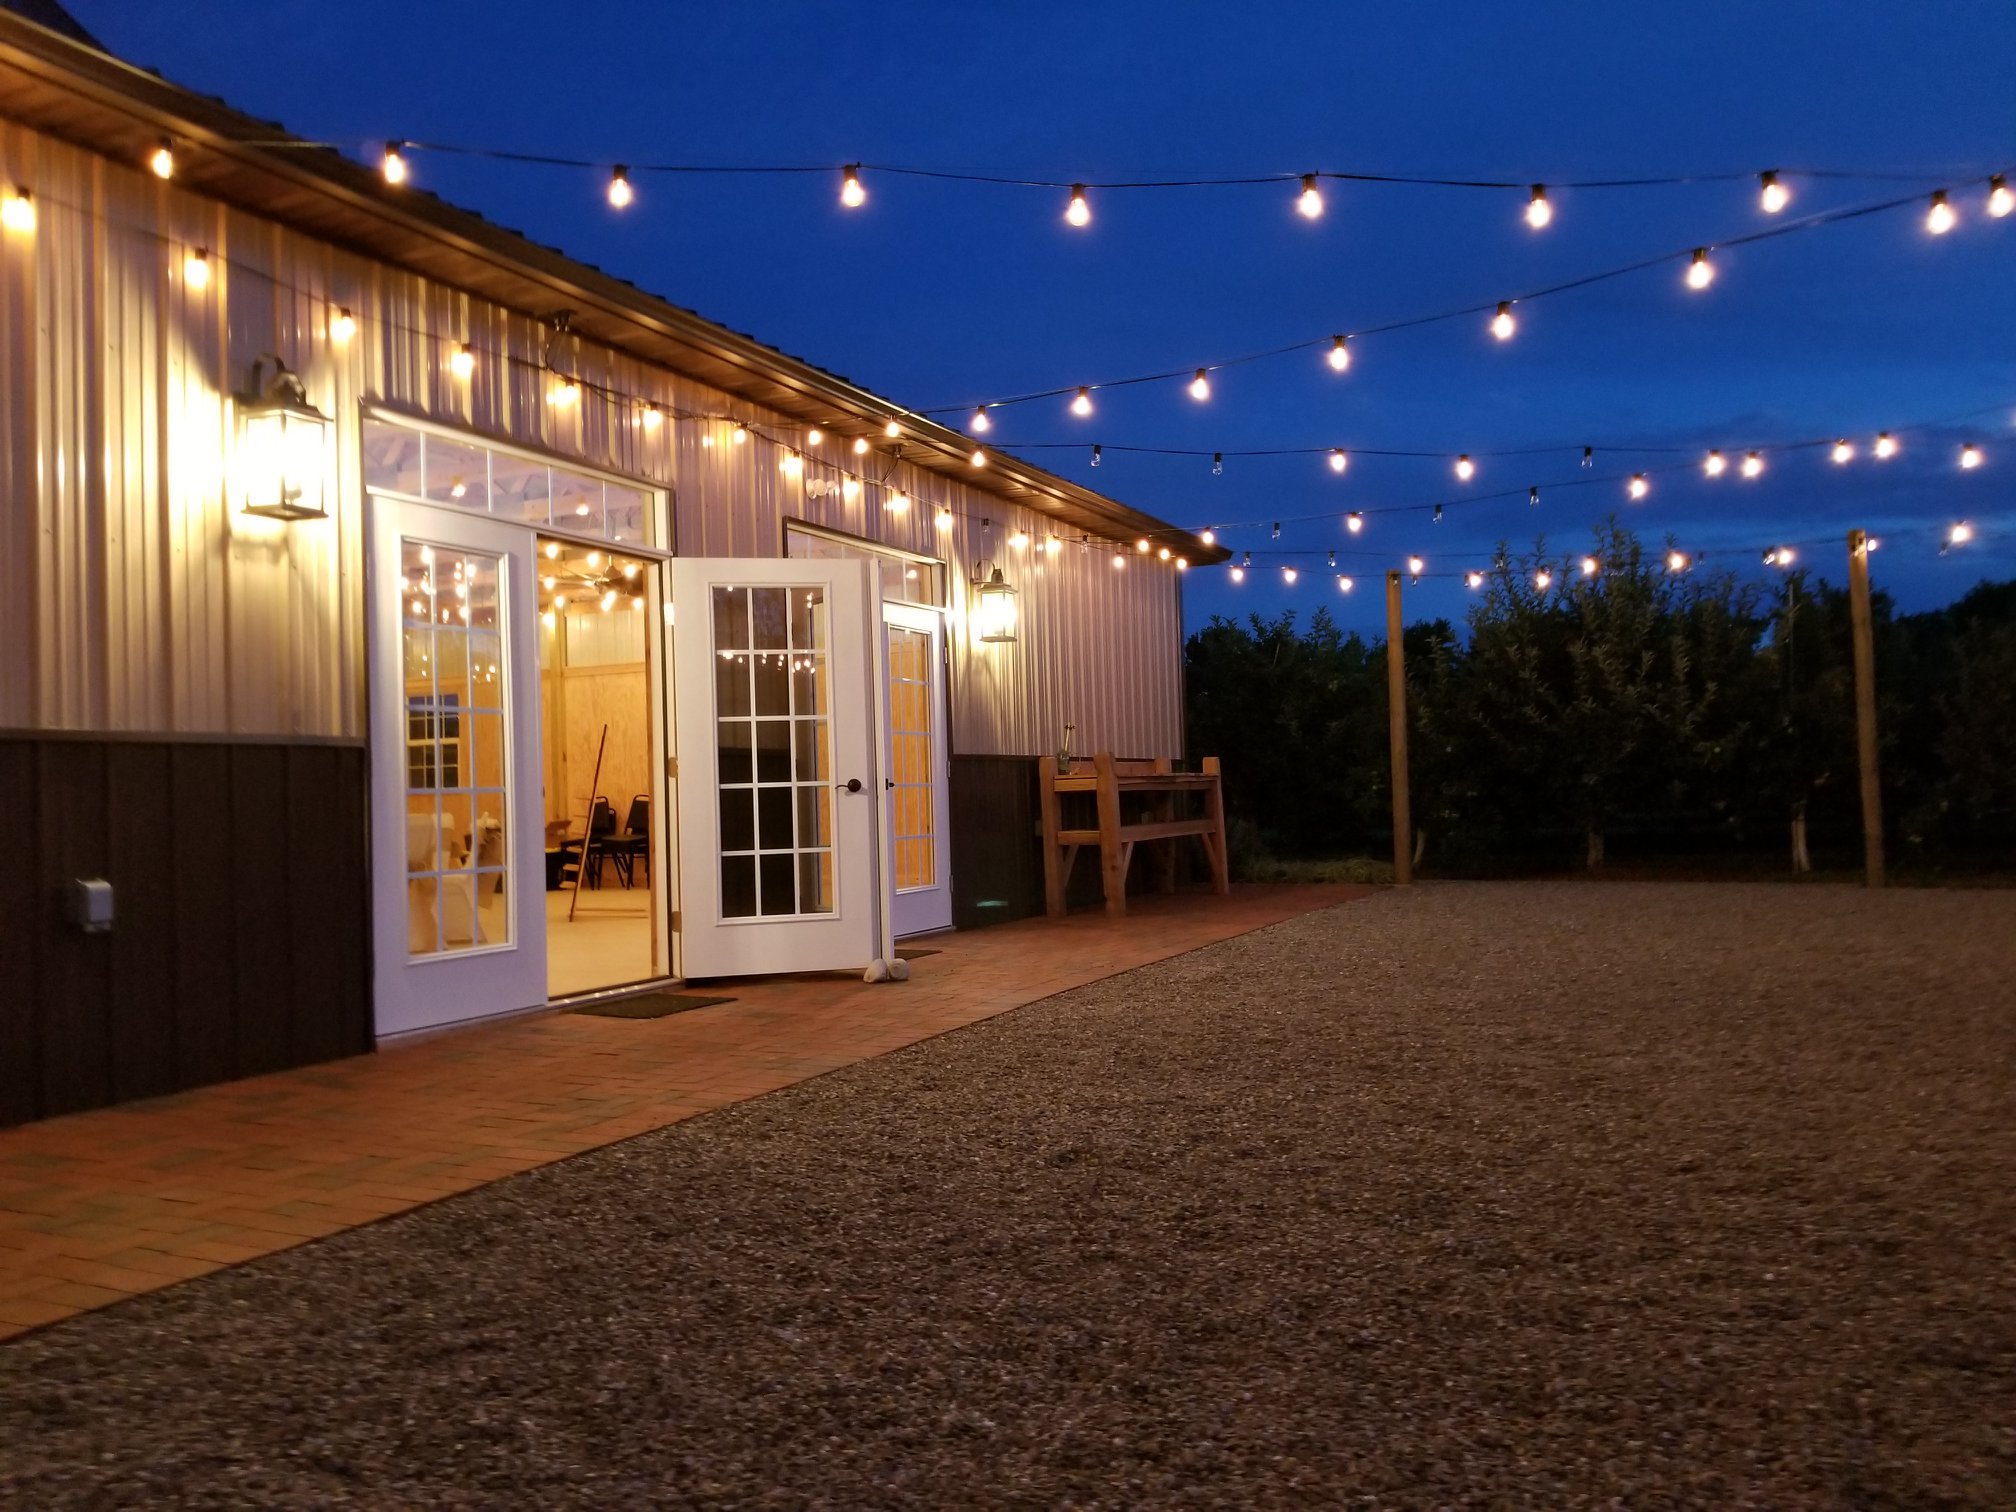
853	784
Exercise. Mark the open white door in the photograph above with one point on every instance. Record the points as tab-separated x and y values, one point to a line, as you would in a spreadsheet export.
777	786
918	813
458	920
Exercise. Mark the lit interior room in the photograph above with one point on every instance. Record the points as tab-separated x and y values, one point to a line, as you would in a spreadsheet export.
595	745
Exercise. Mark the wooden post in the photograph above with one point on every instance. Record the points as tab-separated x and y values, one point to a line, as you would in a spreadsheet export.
1113	853
1056	870
1865	707
1396	719
1214	808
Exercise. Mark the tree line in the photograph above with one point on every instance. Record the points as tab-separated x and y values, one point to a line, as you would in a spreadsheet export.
1633	712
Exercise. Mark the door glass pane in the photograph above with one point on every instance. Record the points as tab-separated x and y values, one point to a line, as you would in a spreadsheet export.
912	802
773	735
458	734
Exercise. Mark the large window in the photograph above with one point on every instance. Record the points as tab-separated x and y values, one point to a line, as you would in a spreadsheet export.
907	578
465	473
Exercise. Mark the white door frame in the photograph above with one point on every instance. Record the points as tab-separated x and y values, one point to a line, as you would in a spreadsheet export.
829	785
918	910
478	978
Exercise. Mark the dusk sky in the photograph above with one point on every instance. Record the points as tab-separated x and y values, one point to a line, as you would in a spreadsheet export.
938	293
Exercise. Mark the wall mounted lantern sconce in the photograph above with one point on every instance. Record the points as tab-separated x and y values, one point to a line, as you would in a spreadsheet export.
994	611
283	448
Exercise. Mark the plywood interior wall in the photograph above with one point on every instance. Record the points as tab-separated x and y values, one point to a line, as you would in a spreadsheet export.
578	699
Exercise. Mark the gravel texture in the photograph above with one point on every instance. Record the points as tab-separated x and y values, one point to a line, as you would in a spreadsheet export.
1528	1195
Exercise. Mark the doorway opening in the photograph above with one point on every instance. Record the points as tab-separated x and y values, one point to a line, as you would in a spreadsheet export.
597	716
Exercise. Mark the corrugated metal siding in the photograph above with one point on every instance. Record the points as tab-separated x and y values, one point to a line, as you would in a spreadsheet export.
132	597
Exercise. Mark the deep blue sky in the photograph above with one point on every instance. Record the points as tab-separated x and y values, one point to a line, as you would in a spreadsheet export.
937	292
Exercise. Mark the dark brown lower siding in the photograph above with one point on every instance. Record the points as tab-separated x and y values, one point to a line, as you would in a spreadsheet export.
242	936
997	844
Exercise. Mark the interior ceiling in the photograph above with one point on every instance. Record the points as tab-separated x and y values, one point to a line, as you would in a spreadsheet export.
86	96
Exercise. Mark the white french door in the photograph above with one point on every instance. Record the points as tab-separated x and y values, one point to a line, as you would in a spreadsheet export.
918	823
776	779
458	895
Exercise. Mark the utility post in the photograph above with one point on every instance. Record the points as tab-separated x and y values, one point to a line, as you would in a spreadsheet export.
1396	717
1865	706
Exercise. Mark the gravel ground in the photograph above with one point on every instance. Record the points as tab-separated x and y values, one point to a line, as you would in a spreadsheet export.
1530	1194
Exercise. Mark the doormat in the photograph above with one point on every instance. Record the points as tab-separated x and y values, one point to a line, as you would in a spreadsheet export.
650	1005
912	953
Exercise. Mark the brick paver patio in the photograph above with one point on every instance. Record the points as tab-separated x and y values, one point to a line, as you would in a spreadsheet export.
97	1207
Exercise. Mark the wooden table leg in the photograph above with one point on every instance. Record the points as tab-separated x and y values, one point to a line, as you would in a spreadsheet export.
1221	871
1056	866
1112	858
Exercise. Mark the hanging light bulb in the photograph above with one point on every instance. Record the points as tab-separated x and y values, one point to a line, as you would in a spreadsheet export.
1288	576
1416	566
860	445
1338	461
944	519
1532	498
1200	386
1098	452
891	429
850	489
1162	552
463	362
1354	522
1700	271
17	210
1970	456
1588	456
1465	468
852	195
1538	211
1437	516
565	393
1716	465
161	161
393	164
1639	486
741	434
1053	546
552	550
1081	403
899	503
980	424
2001	198
1473	579
1182	564
1885	447
1502	324
1142	545
1344	584
1277	531
1590	566
1238	574
608	600
1331	557
978	459
1844	451
1543	580
1309	202
1753	464
342	325
652	417
814	436
1119	560
1960	534
1217	464
1208	536
620	193
1676	561
1939	218
1340	353
1772	195
196	268
1019	540
1079	211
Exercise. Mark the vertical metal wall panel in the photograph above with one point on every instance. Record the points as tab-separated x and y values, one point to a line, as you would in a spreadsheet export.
134	596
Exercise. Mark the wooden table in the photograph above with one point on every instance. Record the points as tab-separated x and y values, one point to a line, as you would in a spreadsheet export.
1111	780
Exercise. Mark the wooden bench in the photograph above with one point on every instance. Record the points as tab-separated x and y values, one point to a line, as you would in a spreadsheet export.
1111	780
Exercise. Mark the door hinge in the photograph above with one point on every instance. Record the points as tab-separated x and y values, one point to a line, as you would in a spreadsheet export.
672	767
676	929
